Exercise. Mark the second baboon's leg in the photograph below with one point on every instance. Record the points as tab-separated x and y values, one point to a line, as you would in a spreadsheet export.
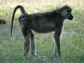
33	52
27	36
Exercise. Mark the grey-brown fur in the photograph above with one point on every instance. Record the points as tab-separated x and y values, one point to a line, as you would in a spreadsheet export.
42	23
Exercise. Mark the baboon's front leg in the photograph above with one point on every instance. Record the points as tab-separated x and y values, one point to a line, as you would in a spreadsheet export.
57	42
57	47
33	52
27	36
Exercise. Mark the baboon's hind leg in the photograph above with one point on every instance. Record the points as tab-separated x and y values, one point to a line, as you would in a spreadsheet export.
27	36
33	48
33	51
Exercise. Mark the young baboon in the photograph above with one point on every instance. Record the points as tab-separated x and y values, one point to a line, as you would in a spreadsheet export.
42	23
2	21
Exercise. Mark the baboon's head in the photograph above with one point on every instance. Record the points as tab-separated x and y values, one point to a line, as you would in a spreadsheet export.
66	12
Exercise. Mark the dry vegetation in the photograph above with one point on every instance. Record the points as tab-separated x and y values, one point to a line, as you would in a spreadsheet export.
38	3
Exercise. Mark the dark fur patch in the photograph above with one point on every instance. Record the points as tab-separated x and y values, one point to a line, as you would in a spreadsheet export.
2	21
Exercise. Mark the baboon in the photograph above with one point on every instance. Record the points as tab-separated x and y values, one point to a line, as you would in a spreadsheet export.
42	23
2	21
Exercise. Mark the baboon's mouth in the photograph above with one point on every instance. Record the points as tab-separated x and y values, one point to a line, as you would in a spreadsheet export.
71	17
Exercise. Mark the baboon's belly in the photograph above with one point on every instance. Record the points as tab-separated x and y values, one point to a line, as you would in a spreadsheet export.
43	26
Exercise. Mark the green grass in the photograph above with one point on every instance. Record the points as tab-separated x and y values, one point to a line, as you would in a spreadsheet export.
72	40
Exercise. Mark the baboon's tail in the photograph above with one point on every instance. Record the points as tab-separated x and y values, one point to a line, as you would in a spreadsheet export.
22	10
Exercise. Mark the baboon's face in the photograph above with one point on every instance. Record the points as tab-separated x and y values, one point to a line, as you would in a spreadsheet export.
66	13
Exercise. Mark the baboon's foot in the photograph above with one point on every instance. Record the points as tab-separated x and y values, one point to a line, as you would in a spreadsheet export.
26	55
55	55
39	56
59	56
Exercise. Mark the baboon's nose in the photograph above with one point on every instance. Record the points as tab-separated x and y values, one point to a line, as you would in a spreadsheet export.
71	18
